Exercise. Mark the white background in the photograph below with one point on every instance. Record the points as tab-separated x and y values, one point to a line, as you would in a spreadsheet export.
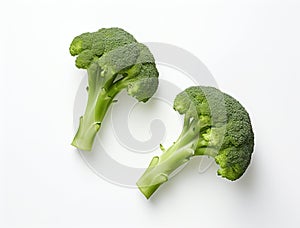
251	47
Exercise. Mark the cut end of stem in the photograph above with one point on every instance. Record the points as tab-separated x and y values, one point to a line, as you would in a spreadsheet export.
151	181
148	190
85	135
81	145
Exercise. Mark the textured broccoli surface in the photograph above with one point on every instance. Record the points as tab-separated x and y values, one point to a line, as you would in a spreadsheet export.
114	61
216	125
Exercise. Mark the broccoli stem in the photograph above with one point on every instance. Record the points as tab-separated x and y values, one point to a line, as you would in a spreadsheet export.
161	167
101	92
90	122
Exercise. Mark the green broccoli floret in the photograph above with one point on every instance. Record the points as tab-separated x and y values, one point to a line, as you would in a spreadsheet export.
216	125
114	61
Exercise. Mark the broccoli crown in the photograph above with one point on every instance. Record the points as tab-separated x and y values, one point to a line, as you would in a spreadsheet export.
135	64
118	56
89	46
145	82
144	85
225	128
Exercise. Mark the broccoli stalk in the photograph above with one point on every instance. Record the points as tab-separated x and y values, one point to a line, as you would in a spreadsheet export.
114	61
99	101
161	167
216	125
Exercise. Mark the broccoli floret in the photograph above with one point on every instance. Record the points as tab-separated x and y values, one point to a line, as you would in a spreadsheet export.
114	61
95	44
216	125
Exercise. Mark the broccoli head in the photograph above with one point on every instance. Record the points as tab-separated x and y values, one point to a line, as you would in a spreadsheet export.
89	46
114	61
216	125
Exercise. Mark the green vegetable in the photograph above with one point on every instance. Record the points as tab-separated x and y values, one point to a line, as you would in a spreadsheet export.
114	61
215	124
